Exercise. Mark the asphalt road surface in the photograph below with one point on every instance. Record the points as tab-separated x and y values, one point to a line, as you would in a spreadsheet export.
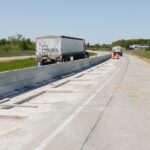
98	53
103	108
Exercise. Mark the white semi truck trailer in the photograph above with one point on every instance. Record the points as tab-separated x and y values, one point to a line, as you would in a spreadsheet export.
51	49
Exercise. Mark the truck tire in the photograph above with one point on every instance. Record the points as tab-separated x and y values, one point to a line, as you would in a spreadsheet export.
43	62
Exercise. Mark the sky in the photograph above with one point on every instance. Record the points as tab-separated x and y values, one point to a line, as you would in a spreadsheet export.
97	21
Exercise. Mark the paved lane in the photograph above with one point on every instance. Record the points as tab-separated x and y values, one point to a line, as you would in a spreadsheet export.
105	107
125	124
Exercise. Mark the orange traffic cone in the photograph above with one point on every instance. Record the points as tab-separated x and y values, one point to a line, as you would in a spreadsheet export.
117	56
112	56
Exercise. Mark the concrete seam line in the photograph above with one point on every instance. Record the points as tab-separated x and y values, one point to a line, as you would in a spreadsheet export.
30	97
61	84
17	105
23	100
72	116
4	100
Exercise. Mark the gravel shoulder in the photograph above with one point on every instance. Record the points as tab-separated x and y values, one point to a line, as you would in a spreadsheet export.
2	59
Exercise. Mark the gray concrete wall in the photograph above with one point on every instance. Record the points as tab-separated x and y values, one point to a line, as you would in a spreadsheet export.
15	80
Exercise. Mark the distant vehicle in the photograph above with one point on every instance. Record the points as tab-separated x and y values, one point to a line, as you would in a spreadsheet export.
51	49
117	50
140	46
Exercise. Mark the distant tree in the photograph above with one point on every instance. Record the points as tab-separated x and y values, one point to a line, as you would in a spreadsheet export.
127	43
17	42
100	47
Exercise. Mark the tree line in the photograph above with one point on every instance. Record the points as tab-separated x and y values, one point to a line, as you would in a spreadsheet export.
126	43
123	43
103	47
17	42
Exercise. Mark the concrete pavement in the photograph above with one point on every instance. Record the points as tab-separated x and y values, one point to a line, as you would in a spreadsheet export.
125	124
103	108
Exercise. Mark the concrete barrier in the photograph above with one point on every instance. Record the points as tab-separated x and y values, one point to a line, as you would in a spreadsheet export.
12	81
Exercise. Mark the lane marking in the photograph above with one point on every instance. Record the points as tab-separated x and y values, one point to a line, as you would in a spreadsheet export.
48	140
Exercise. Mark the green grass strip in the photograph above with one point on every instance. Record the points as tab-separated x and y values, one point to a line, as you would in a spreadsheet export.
142	53
17	64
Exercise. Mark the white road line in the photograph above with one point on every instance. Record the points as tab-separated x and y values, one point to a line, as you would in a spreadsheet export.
48	140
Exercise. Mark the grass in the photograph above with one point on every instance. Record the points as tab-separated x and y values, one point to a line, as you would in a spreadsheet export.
12	53
100	49
17	64
91	54
104	49
142	53
23	63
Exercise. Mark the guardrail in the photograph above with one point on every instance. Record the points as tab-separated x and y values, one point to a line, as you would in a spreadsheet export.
14	81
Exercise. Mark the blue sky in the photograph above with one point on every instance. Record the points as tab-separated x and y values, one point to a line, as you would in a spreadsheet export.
97	21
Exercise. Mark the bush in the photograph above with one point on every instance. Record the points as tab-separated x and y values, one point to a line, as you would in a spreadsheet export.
17	42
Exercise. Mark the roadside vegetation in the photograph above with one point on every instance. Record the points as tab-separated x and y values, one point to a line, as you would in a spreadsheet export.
91	54
11	53
17	42
98	47
123	43
142	53
17	64
16	46
126	43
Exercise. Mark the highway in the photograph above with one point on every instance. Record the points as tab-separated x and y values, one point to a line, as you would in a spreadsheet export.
98	53
106	107
3	59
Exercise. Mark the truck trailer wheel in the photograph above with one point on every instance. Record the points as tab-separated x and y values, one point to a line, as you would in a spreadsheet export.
43	62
